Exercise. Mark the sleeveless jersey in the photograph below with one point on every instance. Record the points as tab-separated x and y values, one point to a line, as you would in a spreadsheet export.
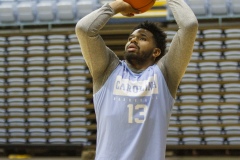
132	113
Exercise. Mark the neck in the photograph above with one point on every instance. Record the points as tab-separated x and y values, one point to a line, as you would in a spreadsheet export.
138	68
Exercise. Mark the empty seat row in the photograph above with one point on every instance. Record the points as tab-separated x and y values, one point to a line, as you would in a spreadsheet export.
44	10
39	70
43	111
40	60
37	122
206	98
203	141
45	132
204	130
78	80
38	39
205	119
52	90
211	33
215	55
206	108
210	77
215	44
15	122
213	8
229	87
51	49
220	33
41	101
42	140
203	66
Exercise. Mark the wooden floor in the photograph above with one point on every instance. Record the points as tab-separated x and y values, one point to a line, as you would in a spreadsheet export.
78	158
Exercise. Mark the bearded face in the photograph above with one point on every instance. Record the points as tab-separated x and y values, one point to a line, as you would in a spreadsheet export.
138	57
140	47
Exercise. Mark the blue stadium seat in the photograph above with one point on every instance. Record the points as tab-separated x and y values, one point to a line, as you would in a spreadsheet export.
8	12
235	7
191	130
56	90
46	10
35	91
234	140
214	140
83	7
199	7
192	141
65	10
26	11
209	109
219	7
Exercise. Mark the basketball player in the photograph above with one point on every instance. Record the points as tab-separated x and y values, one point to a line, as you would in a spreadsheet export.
133	98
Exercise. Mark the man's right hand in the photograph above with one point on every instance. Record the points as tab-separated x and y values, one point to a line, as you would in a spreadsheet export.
120	6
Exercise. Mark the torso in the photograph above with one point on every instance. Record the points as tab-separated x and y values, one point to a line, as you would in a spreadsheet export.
132	113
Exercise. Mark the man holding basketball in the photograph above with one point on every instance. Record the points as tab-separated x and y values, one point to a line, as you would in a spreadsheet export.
133	98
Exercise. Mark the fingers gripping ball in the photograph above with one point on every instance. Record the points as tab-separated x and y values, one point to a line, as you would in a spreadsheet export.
141	5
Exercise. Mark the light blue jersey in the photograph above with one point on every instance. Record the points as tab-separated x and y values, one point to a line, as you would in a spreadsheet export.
132	112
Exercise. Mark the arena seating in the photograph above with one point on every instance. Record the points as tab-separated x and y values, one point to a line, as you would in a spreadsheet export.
210	9
46	88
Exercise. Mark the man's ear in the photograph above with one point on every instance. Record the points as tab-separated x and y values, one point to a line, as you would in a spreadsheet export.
156	52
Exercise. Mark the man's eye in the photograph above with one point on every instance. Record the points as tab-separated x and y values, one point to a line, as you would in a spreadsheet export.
130	38
143	39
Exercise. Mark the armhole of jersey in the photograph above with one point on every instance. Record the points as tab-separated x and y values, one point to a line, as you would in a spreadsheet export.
107	79
165	82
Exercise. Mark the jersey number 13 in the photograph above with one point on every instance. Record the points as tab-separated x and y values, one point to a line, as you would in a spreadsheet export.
141	109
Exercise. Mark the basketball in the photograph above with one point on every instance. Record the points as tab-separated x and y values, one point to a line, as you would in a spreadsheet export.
141	5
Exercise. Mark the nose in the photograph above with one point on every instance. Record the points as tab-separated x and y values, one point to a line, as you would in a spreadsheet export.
133	39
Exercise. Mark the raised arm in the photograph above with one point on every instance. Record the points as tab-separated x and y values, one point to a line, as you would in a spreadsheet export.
99	58
174	63
96	54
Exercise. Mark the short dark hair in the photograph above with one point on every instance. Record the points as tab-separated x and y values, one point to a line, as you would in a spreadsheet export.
158	33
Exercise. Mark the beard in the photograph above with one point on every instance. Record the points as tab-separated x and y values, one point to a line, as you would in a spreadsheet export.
136	58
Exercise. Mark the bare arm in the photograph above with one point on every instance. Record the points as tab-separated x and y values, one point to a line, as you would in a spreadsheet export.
174	63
